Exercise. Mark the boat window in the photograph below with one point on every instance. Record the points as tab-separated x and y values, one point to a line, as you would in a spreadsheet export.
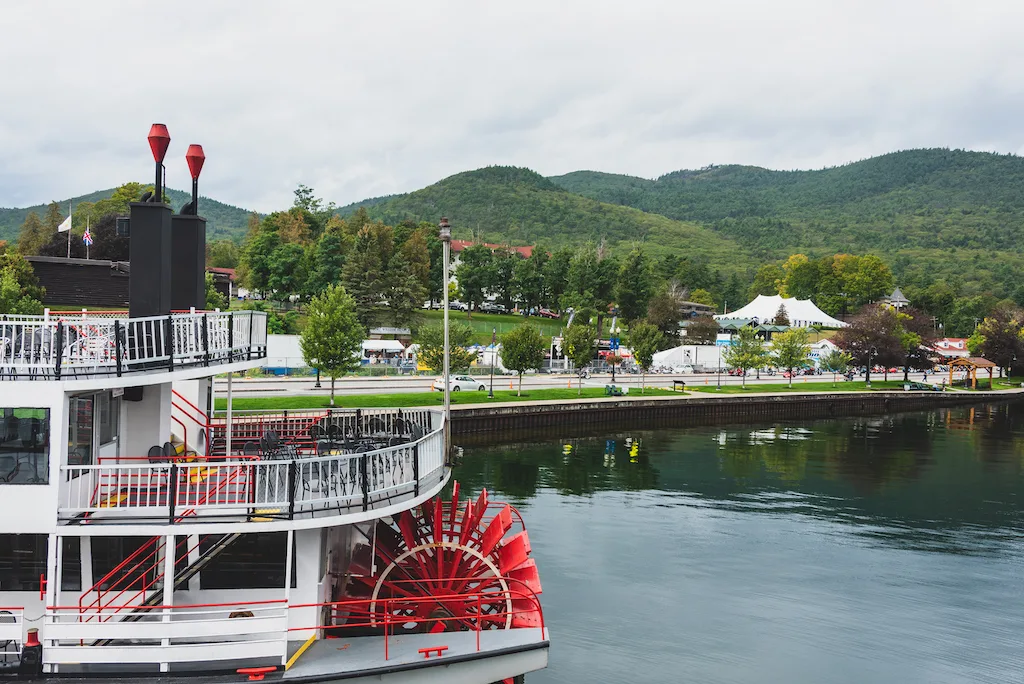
25	446
70	564
108	413
253	561
80	426
22	561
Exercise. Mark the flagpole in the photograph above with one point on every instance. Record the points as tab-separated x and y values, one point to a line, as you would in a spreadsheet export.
86	244
69	230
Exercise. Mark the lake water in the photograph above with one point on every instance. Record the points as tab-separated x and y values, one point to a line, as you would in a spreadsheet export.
880	549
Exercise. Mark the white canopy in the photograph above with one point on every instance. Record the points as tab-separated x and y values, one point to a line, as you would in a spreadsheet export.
383	345
672	357
802	313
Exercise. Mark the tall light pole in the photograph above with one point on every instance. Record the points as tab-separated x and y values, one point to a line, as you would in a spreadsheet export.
494	352
871	352
719	369
445	232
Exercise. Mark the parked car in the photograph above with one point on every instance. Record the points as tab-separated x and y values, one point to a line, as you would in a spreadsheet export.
458	383
456	305
492	307
687	368
547	313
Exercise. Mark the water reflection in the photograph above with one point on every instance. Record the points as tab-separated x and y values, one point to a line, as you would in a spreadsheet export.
895	475
869	549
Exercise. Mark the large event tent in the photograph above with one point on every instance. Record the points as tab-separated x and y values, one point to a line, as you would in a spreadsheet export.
802	313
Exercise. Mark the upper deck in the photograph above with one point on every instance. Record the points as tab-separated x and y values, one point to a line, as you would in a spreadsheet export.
88	346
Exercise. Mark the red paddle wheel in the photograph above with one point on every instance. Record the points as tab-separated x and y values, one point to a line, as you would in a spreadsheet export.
472	564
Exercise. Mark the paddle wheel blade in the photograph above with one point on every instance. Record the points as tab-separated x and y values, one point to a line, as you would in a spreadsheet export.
440	569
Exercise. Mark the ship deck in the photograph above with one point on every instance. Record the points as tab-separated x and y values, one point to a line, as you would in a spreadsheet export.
364	656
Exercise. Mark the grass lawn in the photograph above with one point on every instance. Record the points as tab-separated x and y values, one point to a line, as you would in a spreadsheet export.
800	386
404	399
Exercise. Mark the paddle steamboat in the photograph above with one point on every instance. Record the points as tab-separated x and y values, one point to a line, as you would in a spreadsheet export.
144	535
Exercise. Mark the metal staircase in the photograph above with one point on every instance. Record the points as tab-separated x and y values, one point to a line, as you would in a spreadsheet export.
154	589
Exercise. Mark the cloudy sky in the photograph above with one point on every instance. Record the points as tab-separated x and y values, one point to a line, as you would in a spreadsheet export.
370	98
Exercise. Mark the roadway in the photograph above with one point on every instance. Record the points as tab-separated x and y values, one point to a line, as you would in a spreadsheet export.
293	386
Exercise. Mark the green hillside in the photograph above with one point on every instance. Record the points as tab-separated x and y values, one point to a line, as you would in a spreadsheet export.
502	203
224	219
932	214
930	199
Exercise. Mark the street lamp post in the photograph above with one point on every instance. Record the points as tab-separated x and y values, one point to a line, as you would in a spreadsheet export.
871	353
719	369
494	352
445	233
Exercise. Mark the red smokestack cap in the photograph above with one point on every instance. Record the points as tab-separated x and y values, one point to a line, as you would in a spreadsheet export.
33	638
159	139
195	159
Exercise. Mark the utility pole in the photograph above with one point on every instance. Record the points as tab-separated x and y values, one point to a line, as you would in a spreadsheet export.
446	244
494	352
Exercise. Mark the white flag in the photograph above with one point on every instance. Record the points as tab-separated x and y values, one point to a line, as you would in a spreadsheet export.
65	226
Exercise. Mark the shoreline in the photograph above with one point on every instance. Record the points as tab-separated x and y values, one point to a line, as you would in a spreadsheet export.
702	409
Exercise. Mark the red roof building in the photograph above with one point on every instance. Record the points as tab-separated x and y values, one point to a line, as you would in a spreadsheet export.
459	245
951	347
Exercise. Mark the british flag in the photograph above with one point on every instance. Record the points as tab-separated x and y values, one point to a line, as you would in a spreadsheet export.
87	238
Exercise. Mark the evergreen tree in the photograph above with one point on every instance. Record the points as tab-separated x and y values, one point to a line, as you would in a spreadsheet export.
363	277
33	235
53	217
403	292
635	282
781	317
416	254
326	261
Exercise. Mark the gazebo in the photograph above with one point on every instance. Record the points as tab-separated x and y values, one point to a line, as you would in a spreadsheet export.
972	364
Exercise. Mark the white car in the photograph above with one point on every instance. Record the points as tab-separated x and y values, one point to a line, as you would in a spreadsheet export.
687	368
458	383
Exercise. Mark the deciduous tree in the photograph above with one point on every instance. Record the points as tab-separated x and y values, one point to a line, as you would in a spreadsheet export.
644	341
332	339
475	274
522	349
578	344
746	352
791	349
836	362
431	341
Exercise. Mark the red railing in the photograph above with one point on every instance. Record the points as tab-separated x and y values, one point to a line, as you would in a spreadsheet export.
143	560
387	613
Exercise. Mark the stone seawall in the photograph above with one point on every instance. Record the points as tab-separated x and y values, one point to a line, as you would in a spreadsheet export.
693	410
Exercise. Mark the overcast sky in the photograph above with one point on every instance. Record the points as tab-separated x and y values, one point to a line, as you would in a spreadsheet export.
371	98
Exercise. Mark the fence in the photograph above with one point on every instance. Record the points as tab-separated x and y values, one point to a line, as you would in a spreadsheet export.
168	634
53	347
272	487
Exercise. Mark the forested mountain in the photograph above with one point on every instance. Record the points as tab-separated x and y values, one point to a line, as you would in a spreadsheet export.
932	214
224	220
519	206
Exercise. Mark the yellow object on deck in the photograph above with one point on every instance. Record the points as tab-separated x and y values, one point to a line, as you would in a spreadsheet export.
302	649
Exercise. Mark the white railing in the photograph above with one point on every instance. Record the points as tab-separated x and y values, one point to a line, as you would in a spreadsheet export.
57	346
254	488
163	635
12	625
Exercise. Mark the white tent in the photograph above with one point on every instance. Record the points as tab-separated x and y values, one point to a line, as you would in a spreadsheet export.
802	313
